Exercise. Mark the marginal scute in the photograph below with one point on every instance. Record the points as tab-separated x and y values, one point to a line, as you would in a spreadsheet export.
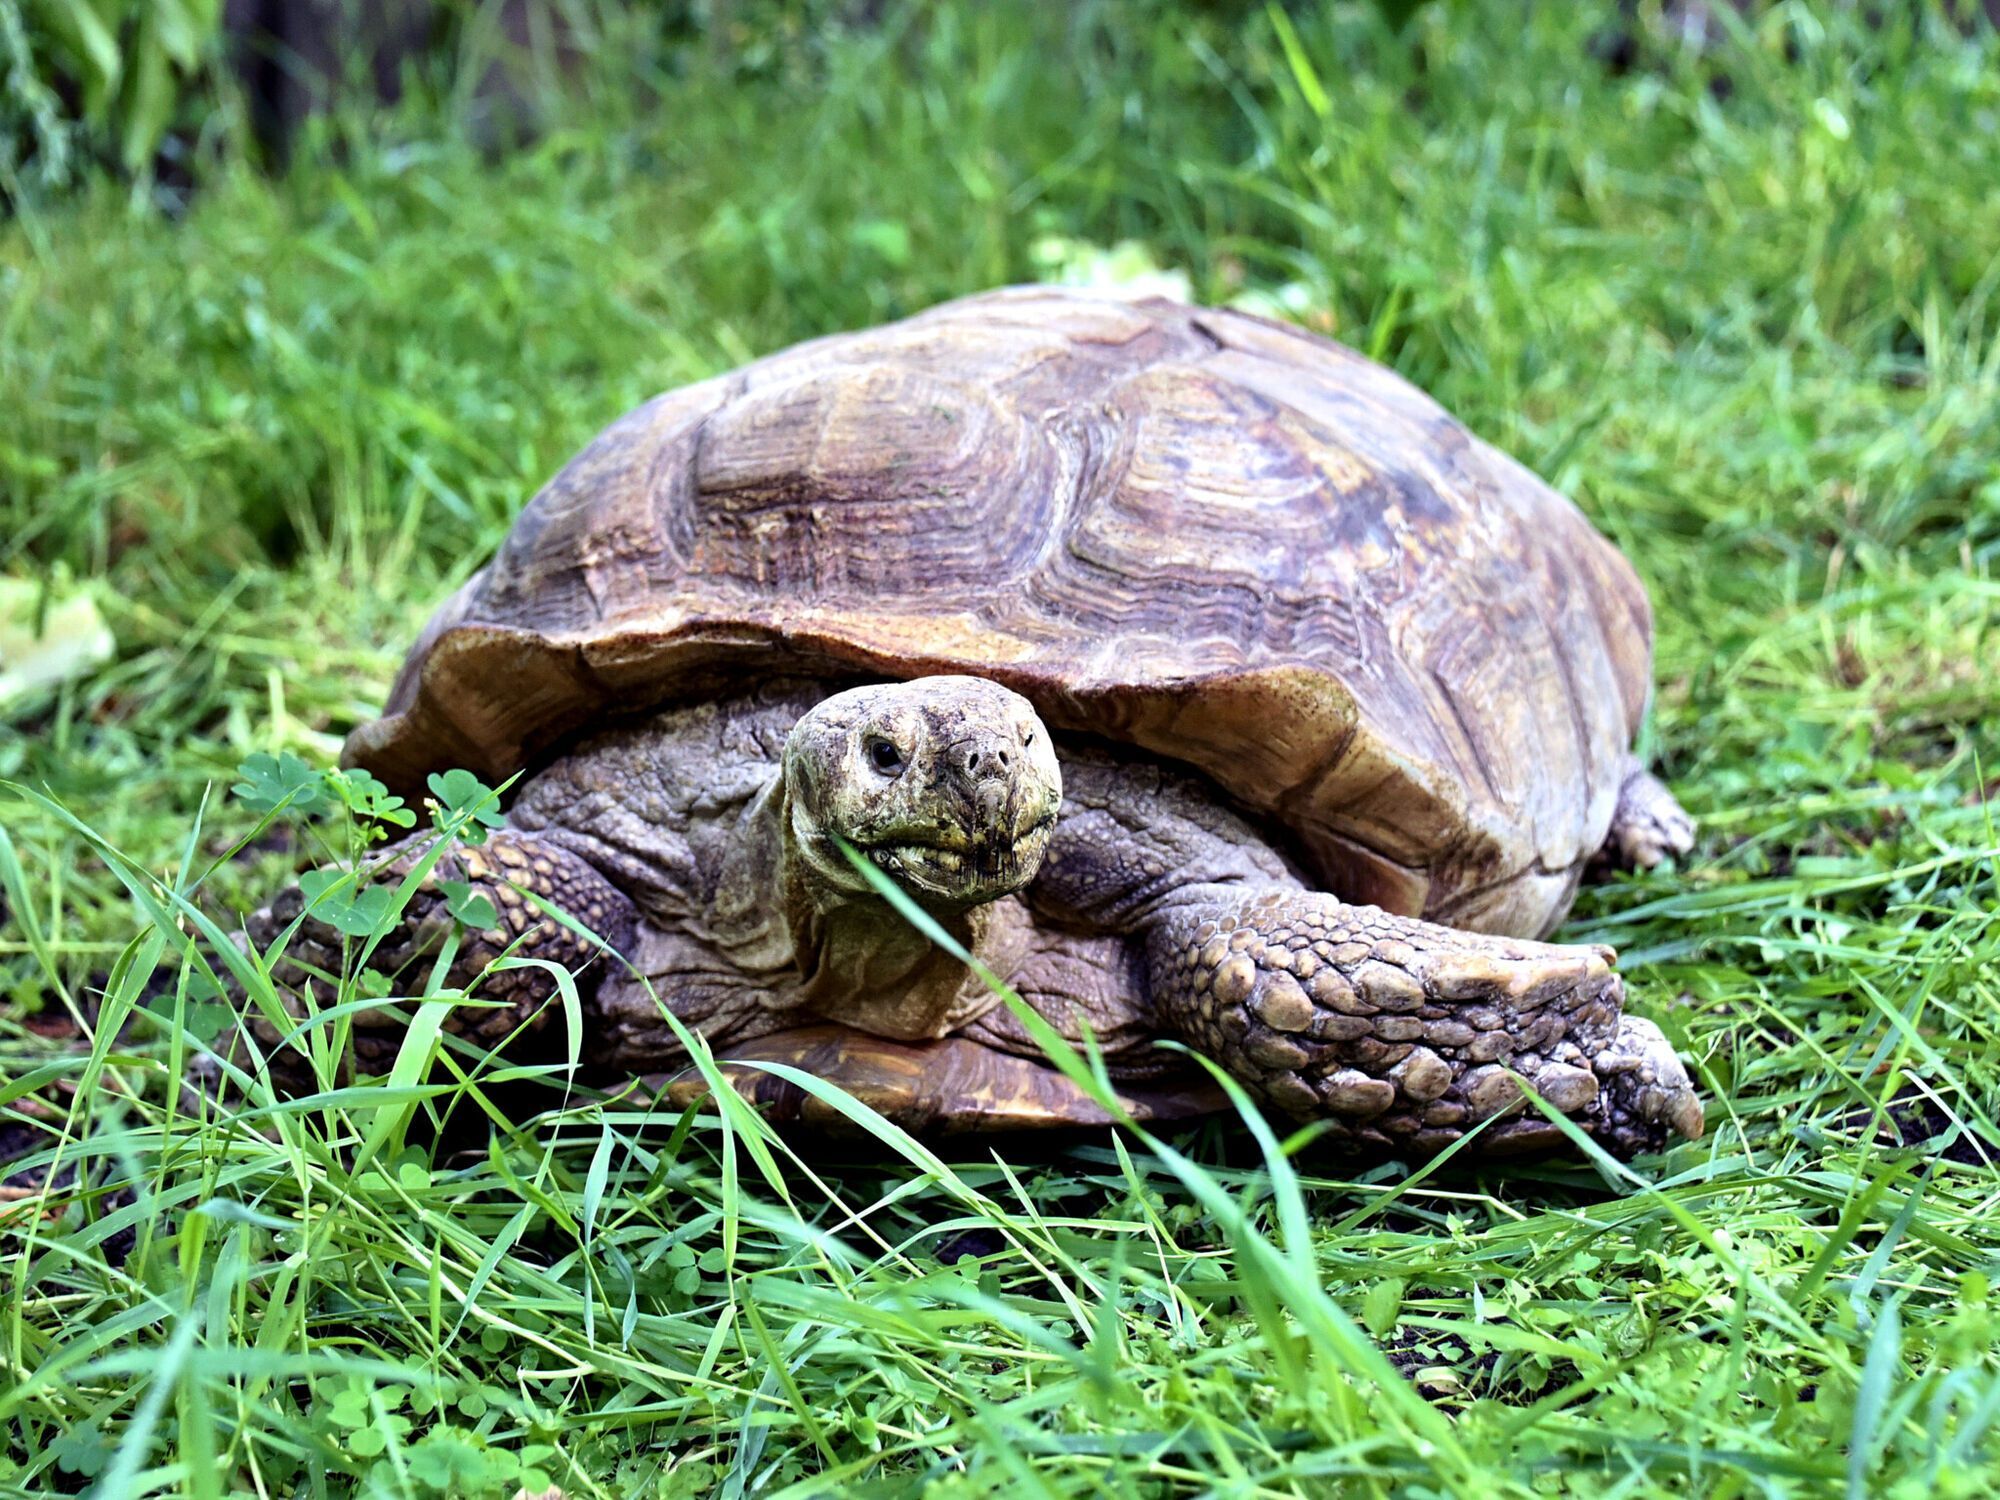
949	1086
1215	539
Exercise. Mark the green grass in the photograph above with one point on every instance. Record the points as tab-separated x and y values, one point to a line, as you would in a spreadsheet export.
1741	305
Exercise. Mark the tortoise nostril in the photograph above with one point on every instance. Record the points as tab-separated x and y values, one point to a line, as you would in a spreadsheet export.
992	761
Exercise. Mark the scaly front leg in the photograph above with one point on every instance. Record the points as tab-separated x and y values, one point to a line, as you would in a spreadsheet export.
1407	1033
503	870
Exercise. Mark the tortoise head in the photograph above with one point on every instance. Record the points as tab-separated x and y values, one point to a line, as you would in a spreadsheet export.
950	784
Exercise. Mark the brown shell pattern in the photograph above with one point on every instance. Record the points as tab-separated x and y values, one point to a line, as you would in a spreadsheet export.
1216	538
951	1086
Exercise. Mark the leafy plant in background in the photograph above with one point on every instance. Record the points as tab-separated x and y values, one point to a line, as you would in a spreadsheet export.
95	77
33	128
114	81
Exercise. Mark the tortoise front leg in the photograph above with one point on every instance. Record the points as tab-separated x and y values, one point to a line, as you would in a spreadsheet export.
1407	1033
504	869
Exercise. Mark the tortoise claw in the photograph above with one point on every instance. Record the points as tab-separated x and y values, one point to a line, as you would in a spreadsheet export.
1648	1097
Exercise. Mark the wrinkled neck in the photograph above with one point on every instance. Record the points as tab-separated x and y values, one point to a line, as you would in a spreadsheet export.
862	962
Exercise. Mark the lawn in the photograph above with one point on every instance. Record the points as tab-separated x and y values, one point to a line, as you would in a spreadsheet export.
1738	299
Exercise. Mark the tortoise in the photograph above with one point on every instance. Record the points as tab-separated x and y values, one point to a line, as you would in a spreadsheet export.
1203	679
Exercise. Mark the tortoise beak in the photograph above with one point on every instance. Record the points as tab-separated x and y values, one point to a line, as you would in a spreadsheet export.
984	867
1007	811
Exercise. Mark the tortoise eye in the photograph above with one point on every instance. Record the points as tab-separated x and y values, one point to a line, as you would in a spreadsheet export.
886	757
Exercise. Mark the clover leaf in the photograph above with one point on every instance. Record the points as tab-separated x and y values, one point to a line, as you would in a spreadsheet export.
366	797
465	800
350	1406
473	908
452	1461
271	782
205	1020
81	1451
331	898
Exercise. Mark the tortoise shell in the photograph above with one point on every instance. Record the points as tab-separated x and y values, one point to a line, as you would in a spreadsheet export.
1214	538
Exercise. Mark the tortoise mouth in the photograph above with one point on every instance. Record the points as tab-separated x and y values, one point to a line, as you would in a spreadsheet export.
962	867
946	838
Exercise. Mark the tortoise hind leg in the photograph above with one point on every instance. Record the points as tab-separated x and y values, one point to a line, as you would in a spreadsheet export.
1408	1034
1649	825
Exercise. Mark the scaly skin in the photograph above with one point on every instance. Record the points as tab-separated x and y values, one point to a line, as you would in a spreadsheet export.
1406	1033
503	869
1399	1032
